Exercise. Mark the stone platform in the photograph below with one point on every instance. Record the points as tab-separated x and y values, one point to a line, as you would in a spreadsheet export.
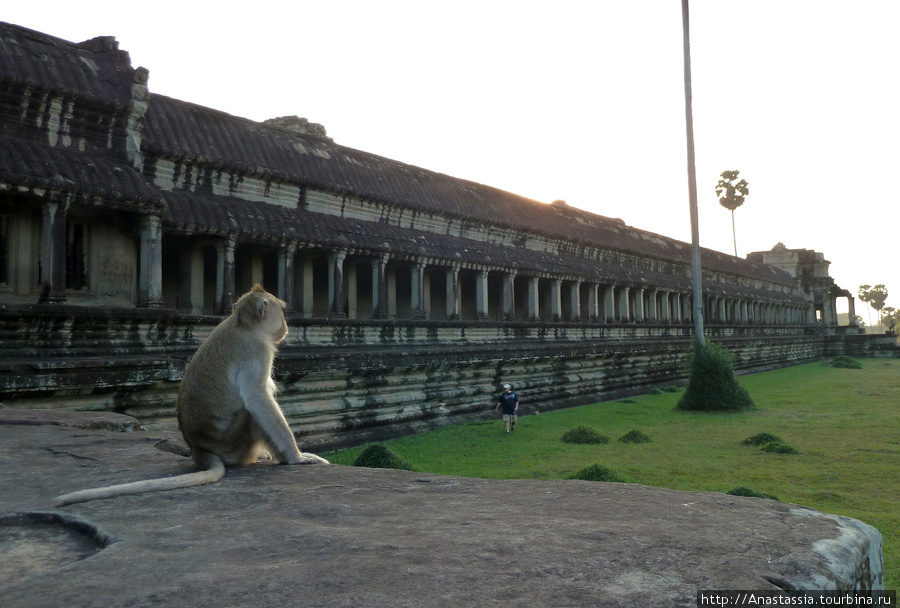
336	536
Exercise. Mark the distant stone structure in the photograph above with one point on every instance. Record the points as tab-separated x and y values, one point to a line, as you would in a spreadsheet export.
810	270
130	222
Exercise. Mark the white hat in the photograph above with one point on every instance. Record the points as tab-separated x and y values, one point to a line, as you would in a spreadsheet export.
506	386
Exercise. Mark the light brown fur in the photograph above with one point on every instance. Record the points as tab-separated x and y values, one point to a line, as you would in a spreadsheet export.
226	404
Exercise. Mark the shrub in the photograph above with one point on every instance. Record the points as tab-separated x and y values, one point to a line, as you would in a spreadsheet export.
584	434
377	456
762	439
745	491
776	447
598	472
656	391
712	385
635	436
672	389
845	362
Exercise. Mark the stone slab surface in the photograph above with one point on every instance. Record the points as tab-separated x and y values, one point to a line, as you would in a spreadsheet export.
336	536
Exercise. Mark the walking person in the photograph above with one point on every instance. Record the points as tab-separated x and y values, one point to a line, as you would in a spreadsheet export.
510	403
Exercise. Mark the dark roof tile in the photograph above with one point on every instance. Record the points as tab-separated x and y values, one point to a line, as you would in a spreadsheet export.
117	185
95	69
182	130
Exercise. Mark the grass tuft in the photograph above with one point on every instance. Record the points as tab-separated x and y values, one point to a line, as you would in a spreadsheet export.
745	491
845	362
377	456
584	434
776	447
635	436
762	439
598	472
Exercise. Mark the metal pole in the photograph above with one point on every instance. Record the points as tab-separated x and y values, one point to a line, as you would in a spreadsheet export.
696	271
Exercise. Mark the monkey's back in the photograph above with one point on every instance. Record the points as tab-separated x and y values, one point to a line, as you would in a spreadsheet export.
210	409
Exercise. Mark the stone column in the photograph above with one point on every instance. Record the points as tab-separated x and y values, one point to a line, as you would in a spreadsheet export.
623	308
391	279
150	279
191	294
639	305
851	311
452	274
225	274
509	296
256	270
418	290
53	253
379	287
609	303
307	304
350	291
534	309
593	312
652	309
286	274
481	295
555	299
336	284
665	307
575	304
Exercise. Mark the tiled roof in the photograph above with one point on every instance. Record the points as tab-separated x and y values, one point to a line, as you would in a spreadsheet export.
94	69
97	70
110	183
176	129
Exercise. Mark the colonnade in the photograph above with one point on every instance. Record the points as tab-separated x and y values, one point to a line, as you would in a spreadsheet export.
209	273
353	284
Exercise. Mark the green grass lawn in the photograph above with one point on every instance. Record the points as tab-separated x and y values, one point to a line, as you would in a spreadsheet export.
843	422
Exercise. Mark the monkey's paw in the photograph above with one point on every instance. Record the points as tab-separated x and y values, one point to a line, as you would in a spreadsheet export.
307	458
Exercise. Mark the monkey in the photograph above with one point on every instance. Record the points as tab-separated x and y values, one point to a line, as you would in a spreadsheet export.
226	407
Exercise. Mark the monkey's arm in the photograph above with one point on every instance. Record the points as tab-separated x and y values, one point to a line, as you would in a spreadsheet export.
258	393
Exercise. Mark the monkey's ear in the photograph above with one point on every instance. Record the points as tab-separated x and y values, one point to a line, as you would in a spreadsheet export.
262	308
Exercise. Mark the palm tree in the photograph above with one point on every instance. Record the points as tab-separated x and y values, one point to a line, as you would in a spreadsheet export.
731	196
696	273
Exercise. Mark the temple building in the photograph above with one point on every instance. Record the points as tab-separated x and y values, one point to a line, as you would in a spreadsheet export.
130	222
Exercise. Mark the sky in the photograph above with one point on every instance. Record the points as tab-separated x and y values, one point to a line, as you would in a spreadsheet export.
575	100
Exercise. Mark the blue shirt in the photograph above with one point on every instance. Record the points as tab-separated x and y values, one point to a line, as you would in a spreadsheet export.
508	402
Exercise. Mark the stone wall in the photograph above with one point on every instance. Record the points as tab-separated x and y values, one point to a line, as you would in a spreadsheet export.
344	382
862	345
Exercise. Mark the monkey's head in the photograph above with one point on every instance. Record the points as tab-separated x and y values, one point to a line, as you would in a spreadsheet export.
260	310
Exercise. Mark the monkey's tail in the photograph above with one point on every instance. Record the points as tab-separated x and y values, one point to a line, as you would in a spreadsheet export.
213	474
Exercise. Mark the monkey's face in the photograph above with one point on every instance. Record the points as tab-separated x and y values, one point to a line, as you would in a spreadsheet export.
271	317
279	325
282	331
